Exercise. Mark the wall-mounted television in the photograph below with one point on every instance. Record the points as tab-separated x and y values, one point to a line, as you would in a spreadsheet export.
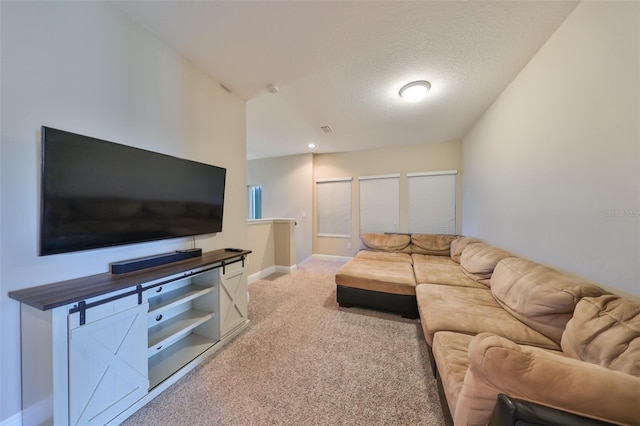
97	194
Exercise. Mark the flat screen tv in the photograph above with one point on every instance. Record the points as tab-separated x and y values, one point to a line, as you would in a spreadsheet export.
100	194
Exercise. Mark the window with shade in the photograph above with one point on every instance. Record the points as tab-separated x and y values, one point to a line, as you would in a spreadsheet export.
432	202
334	207
379	203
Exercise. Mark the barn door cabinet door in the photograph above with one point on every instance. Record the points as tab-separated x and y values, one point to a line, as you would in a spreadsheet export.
233	297
107	361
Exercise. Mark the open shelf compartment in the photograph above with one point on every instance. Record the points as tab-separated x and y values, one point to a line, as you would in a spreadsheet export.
177	297
165	333
176	356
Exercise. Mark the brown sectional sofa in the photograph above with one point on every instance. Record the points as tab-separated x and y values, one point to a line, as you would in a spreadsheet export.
497	324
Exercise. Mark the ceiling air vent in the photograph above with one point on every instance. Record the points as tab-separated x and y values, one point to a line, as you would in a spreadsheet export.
327	129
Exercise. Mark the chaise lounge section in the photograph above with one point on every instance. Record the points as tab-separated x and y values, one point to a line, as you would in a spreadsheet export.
497	324
380	276
383	274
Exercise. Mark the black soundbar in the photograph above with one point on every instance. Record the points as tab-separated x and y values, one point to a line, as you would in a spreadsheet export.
139	263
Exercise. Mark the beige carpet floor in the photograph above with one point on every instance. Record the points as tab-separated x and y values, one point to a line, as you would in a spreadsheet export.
306	361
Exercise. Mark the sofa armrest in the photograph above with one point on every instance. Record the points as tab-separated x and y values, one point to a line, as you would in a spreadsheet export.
513	411
497	365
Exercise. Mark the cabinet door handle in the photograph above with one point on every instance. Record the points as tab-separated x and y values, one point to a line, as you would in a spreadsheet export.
158	317
159	290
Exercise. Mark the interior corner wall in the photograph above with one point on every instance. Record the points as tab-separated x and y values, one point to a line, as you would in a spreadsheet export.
287	184
552	169
87	68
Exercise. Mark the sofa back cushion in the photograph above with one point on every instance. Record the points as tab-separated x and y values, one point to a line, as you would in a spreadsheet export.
458	245
386	242
478	261
539	296
432	244
605	330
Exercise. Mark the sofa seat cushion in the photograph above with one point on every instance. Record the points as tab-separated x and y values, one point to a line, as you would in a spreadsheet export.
440	270
378	275
605	330
478	261
471	311
385	242
539	296
451	355
433	244
384	256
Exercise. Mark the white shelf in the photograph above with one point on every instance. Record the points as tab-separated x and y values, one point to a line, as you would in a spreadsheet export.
176	297
167	362
176	341
172	329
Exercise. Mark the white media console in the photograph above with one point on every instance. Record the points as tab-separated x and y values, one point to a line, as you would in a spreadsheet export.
96	349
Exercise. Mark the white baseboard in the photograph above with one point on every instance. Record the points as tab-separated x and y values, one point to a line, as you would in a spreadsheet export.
38	413
261	274
286	269
15	420
270	270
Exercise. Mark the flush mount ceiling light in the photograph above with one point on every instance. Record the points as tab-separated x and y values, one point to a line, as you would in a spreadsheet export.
312	145
415	91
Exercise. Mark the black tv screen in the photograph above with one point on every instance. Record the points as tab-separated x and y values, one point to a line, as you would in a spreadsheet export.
100	194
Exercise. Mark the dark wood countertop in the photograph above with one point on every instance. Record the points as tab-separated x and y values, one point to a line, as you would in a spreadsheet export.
49	296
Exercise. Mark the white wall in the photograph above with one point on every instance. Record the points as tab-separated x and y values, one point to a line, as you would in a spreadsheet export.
425	157
86	68
552	170
287	185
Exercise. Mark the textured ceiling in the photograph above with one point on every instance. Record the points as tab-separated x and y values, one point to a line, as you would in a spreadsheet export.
341	63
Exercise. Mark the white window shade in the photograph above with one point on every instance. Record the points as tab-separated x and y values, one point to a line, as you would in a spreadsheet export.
379	201
334	207
432	202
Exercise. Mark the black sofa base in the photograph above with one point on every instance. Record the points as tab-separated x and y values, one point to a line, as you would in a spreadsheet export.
512	411
446	413
402	304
